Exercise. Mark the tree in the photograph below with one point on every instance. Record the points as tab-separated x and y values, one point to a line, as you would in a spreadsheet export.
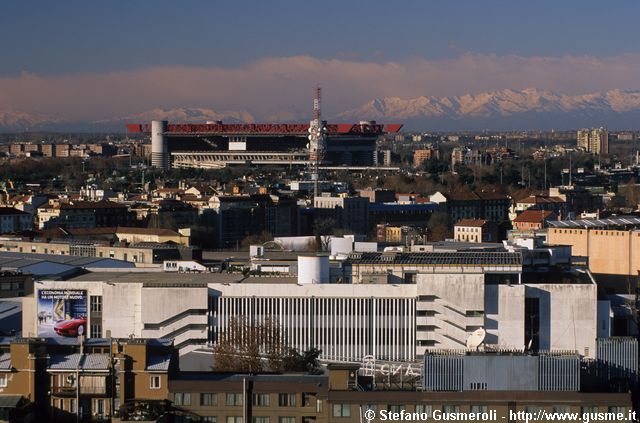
322	229
254	239
252	347
631	193
438	226
243	345
465	174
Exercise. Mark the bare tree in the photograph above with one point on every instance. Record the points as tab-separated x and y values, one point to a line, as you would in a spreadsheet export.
249	347
246	346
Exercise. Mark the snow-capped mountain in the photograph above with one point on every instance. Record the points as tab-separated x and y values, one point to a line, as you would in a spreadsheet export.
22	121
195	115
507	109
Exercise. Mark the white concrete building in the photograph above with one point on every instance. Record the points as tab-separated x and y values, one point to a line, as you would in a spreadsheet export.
395	317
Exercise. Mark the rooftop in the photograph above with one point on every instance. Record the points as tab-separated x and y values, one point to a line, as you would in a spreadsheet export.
440	258
10	211
180	280
619	222
533	216
79	361
476	223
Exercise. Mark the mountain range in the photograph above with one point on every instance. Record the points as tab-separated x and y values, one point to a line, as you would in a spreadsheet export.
507	109
498	110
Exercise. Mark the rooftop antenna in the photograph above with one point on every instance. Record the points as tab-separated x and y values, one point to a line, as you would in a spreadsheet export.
317	139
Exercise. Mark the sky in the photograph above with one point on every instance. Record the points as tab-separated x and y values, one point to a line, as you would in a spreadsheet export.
81	60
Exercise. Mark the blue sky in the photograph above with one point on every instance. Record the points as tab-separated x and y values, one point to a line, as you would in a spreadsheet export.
48	37
55	47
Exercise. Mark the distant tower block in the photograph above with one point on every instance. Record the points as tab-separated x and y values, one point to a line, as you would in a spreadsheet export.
159	150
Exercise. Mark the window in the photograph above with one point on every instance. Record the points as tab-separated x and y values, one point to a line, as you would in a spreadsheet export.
210	419
561	409
234	419
308	399
208	399
261	400
234	399
341	410
96	331
372	407
72	405
155	382
96	303
478	386
533	409
182	398
259	419
395	408
3	381
287	400
616	409
286	420
426	409
100	407
478	409
450	409
588	410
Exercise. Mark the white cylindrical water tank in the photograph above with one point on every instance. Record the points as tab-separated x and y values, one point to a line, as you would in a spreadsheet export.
159	148
313	268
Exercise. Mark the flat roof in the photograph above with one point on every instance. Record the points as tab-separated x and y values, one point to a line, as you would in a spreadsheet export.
620	221
467	258
174	278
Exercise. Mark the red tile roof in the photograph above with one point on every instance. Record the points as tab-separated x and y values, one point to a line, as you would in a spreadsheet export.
533	216
477	223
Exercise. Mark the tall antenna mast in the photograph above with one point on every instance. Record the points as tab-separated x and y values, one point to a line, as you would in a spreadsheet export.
317	139
317	100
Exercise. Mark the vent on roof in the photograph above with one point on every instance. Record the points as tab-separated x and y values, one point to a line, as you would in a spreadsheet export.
388	256
355	255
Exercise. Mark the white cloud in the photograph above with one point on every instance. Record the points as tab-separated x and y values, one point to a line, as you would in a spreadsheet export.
283	87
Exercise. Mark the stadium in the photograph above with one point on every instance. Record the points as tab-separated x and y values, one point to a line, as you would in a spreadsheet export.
217	145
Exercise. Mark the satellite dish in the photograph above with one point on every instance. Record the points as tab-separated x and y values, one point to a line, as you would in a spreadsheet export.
476	338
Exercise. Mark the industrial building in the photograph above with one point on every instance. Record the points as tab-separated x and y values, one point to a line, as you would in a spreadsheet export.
594	240
216	145
392	306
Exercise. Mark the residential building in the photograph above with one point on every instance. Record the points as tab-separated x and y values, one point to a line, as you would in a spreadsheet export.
475	230
15	284
86	380
594	140
350	213
488	205
420	156
378	195
84	214
530	220
556	204
14	220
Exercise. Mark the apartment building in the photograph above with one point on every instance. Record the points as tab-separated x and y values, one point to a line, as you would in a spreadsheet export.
94	380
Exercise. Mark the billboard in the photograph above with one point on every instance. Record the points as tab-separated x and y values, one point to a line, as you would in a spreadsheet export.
62	312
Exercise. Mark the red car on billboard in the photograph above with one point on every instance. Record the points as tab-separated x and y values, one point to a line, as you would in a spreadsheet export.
71	327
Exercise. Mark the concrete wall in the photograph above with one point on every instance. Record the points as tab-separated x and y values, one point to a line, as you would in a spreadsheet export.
456	302
504	315
568	316
597	245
